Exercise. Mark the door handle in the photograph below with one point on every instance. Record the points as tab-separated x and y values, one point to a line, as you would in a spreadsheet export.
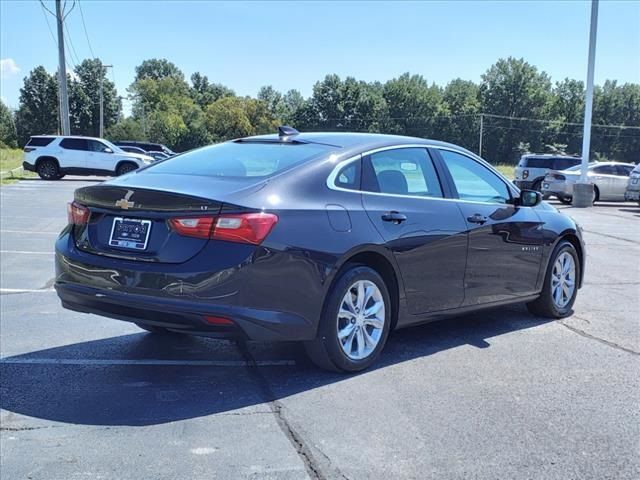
477	218
394	217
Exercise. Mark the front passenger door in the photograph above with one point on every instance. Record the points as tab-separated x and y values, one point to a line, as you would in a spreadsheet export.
505	241
403	198
100	157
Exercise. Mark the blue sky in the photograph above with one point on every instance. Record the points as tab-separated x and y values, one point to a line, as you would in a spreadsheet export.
292	45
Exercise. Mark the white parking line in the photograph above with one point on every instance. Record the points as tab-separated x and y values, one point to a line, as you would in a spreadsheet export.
25	290
30	232
26	252
191	363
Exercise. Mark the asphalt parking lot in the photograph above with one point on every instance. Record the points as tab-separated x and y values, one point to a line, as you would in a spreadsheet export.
495	395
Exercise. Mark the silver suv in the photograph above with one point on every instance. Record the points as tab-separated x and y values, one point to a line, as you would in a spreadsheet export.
532	168
54	156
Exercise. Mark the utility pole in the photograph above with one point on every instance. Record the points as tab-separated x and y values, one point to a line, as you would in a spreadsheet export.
62	73
481	128
583	190
102	74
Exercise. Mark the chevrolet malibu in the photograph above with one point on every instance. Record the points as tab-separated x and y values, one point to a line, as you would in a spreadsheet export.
330	239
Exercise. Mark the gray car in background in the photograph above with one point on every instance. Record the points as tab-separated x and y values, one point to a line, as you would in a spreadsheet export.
609	179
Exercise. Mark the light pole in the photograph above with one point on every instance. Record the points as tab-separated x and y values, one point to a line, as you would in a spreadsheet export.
102	74
583	190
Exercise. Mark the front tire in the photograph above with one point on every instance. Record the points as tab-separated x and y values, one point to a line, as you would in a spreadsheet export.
355	322
560	284
48	170
126	168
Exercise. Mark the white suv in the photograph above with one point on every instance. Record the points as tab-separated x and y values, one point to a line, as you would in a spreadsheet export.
53	157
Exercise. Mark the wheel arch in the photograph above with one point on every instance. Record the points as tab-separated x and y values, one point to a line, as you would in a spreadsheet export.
124	162
572	237
42	158
384	266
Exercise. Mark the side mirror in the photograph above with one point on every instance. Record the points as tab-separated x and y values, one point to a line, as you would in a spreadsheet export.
529	198
108	150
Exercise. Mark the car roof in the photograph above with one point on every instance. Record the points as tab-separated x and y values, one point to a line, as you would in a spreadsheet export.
352	140
67	136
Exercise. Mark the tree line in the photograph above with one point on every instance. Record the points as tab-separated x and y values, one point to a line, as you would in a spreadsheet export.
519	107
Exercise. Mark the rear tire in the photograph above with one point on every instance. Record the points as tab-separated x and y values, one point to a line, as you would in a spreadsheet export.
560	284
48	170
536	185
349	339
156	330
125	168
565	200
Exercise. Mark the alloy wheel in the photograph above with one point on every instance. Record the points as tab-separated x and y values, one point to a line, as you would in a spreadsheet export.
563	280
361	319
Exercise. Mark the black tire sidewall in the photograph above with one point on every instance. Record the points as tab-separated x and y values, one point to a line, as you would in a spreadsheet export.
328	329
125	168
45	177
563	246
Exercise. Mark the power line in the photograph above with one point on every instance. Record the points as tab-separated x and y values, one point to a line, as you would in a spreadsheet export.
44	14
73	48
558	121
85	29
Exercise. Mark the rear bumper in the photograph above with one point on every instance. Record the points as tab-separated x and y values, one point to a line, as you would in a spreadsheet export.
183	316
523	184
268	296
559	189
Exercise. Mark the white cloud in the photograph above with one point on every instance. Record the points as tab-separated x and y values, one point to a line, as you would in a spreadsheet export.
8	67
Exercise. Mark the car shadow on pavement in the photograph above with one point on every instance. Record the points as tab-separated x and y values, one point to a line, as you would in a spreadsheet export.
137	395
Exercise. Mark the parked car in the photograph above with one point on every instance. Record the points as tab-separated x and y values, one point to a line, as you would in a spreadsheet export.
332	239
130	149
146	146
632	194
158	155
532	168
54	156
609	179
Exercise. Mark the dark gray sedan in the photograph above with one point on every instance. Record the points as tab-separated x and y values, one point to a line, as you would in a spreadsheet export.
326	238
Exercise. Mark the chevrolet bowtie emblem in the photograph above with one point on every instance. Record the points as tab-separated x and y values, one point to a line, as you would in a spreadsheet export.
124	203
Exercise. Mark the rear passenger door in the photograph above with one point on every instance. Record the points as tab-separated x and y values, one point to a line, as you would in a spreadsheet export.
74	153
505	241
403	198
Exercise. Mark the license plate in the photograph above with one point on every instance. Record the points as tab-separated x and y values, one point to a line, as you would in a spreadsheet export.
130	233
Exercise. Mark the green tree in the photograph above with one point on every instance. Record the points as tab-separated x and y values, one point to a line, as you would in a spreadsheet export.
513	88
84	99
38	110
461	106
413	105
205	93
126	129
233	117
156	69
8	136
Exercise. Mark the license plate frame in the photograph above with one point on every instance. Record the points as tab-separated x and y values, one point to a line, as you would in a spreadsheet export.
127	236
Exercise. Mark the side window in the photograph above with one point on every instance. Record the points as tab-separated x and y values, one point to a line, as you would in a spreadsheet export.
74	144
95	146
605	170
473	181
624	170
404	171
349	176
564	163
39	141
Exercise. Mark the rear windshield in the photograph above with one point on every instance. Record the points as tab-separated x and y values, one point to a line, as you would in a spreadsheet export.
39	141
233	159
555	163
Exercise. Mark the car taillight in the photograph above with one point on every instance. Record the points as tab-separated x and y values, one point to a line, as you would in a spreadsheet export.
525	174
77	214
199	227
250	228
